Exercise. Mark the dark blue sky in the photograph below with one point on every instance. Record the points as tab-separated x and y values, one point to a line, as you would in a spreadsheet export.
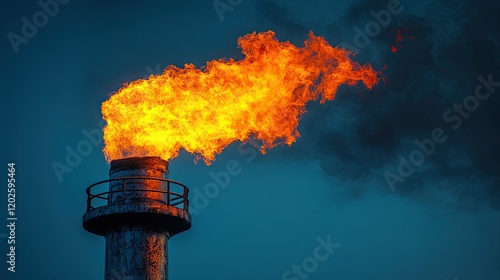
404	180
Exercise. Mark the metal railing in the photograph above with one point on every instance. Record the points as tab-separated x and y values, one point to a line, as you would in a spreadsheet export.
172	198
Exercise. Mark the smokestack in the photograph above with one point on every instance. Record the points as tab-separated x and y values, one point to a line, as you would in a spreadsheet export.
137	215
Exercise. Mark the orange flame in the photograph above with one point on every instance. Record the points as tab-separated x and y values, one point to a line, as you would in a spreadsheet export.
204	110
399	37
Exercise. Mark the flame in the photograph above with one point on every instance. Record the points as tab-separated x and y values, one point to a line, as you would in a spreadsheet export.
399	38
204	110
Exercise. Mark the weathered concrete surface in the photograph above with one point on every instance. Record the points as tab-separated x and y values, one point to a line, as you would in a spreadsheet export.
170	219
137	224
136	253
134	167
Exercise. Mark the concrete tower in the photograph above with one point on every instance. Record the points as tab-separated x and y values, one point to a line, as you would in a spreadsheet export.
137	215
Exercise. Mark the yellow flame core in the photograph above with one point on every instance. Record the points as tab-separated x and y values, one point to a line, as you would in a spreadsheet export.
204	110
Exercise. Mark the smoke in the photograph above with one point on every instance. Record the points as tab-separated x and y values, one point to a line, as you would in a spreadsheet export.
359	137
283	17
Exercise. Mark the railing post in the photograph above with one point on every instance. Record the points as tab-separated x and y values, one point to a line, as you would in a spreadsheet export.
186	200
89	200
168	193
124	190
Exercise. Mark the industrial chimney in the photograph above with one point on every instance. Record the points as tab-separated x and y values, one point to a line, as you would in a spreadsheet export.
137	215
